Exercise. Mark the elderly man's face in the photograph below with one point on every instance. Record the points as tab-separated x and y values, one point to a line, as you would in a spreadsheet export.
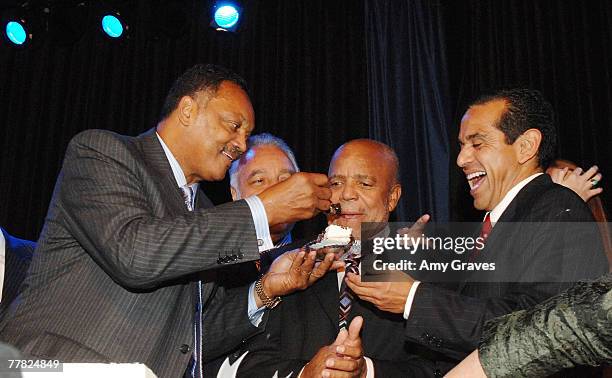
219	133
490	165
362	181
262	167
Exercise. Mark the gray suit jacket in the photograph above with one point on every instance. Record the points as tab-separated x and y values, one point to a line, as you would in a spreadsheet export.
112	276
536	255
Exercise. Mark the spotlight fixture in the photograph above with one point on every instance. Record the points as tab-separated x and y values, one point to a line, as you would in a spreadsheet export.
18	27
226	16
113	19
16	32
113	25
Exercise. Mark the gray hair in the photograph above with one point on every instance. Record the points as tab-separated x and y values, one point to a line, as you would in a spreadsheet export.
263	139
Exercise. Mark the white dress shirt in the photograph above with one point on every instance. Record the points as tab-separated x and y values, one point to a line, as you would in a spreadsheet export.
258	213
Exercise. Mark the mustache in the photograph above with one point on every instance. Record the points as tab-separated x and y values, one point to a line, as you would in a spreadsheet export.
235	152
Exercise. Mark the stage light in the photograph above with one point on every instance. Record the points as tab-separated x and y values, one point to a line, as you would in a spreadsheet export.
226	17
112	26
16	32
18	26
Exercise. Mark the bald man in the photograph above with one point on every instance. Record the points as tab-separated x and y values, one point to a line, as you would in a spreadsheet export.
363	179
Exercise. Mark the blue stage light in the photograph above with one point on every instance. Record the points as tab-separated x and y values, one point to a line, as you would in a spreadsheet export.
16	32
112	26
226	16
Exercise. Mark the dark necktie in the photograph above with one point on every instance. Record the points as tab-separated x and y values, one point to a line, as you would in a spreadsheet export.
196	363
485	230
346	295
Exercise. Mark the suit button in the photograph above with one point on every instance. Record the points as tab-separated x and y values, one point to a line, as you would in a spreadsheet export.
437	373
425	337
185	349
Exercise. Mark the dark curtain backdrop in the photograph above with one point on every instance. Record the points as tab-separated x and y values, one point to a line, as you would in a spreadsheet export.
563	48
304	61
321	73
408	99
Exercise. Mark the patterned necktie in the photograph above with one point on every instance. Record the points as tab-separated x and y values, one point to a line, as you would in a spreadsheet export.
196	363
346	295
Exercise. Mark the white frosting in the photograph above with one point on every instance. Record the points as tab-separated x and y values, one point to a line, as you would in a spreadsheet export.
340	235
334	236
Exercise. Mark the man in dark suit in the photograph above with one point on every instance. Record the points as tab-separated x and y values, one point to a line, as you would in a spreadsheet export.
363	178
15	256
507	140
128	228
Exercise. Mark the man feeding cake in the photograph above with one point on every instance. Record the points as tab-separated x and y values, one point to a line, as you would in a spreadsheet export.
301	333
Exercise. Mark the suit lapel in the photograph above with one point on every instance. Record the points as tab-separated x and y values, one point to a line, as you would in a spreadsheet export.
322	289
161	172
496	243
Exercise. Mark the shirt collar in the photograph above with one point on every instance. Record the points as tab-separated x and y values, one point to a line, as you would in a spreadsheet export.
179	176
497	212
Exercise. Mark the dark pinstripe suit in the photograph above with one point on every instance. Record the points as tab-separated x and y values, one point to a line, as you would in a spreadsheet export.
451	322
18	254
110	277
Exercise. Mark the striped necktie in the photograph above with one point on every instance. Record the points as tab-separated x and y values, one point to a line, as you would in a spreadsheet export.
196	363
346	295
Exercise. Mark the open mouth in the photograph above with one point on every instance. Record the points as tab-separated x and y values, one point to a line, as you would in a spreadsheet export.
347	215
228	155
231	153
475	179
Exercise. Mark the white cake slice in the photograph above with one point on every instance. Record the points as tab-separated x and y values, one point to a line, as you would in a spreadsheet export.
334	236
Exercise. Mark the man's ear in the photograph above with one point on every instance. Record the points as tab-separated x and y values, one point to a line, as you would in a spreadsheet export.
528	145
187	110
235	195
394	195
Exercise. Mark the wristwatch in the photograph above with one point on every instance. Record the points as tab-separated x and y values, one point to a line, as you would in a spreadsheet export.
267	301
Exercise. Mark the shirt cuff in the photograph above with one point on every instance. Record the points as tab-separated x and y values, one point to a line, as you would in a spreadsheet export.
255	314
260	219
410	299
370	366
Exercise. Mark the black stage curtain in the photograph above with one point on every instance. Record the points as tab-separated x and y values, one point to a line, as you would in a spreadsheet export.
304	61
563	48
408	99
306	64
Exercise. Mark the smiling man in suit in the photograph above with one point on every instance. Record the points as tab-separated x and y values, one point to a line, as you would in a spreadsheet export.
126	265
301	331
507	140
